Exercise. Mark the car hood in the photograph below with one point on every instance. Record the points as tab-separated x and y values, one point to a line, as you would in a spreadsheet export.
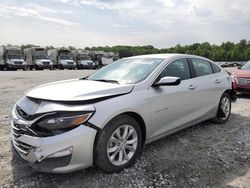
78	90
242	73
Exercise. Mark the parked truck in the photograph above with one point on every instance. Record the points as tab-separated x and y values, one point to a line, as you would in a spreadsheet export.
62	58
37	58
83	60
11	58
103	58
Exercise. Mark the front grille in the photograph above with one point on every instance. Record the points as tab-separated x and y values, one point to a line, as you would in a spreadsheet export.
70	63
17	131
45	63
18	62
89	63
243	81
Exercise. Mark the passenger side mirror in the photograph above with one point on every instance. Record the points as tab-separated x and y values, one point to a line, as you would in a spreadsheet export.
168	81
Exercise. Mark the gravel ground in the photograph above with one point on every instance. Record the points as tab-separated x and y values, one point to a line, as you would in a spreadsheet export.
205	155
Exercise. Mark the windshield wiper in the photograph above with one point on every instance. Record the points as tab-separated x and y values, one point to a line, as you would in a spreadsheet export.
84	78
106	80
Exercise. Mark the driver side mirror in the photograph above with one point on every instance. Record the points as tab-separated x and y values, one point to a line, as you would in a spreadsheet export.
168	81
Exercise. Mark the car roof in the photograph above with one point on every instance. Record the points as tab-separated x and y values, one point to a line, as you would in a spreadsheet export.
169	56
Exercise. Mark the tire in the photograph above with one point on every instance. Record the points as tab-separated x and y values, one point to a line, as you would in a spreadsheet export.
102	157
61	67
30	67
222	116
36	67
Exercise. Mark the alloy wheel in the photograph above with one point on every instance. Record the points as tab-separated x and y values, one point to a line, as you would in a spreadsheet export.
122	145
225	107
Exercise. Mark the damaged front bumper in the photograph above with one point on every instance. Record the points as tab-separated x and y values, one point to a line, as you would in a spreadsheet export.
61	153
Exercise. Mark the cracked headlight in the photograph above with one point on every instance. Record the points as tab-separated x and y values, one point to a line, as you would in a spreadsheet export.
53	123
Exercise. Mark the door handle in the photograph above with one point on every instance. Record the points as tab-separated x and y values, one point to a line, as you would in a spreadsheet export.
191	87
217	81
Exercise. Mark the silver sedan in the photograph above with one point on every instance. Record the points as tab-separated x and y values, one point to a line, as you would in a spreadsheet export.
107	118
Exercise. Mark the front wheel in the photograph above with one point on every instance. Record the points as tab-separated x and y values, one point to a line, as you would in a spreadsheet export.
224	109
118	144
61	67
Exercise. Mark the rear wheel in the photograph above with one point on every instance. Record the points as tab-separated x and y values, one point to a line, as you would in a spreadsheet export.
118	144
224	109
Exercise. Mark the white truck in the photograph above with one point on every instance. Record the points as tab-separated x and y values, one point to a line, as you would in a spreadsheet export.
62	58
103	58
83	60
37	58
11	58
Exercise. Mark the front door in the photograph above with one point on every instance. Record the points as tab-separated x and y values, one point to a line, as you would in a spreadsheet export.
172	106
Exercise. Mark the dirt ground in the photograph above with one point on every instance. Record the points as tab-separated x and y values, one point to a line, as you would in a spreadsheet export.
205	155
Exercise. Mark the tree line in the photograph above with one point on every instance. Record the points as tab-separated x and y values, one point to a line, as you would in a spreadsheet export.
227	51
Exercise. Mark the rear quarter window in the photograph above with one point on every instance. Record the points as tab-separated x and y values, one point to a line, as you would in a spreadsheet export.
201	67
215	68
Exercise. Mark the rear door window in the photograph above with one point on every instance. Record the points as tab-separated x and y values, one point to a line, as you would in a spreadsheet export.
201	67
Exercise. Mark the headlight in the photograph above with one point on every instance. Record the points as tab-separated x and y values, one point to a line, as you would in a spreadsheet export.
10	62
63	122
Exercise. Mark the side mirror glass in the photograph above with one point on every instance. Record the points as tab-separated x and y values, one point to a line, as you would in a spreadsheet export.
168	81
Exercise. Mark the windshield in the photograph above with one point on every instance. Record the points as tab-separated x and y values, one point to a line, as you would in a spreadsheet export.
84	58
15	56
246	66
66	57
41	57
127	71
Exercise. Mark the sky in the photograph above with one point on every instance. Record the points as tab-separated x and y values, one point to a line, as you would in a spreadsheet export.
161	23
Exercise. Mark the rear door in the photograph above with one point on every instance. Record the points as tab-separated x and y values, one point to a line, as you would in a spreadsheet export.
207	88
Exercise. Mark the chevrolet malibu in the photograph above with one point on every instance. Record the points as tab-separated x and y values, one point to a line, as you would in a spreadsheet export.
107	117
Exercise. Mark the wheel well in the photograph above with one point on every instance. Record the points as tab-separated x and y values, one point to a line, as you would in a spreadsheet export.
141	122
232	94
134	115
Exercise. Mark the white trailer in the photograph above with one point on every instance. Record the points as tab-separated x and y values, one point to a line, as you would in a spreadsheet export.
62	58
37	57
11	58
83	60
103	58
